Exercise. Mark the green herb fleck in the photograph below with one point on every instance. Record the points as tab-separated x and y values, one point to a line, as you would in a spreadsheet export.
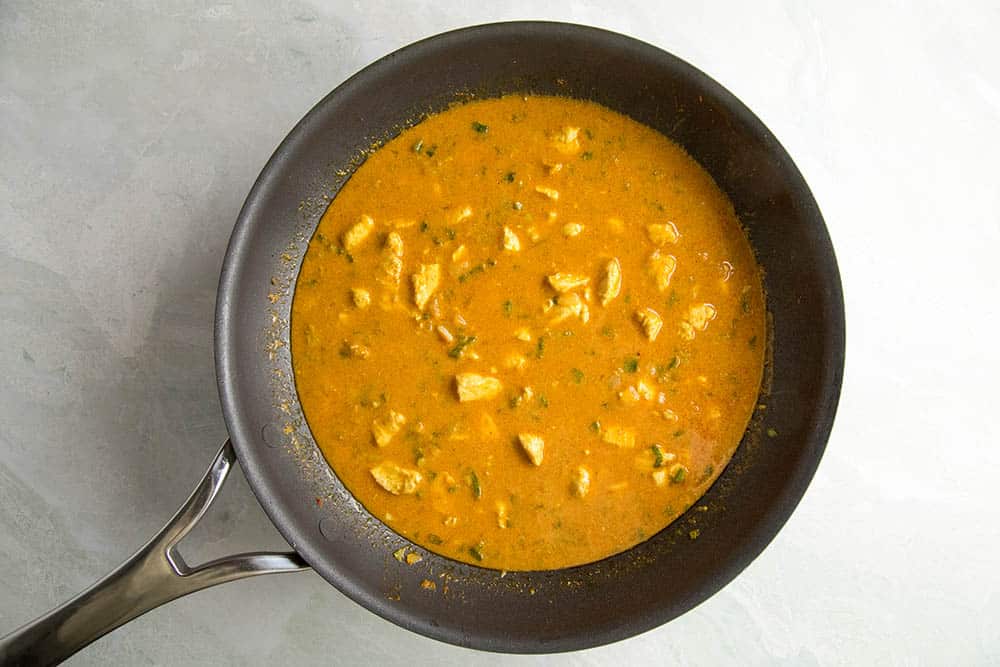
586	131
674	363
477	491
678	475
607	331
517	206
424	226
451	233
694	534
673	298
540	347
631	364
477	551
586	155
595	426
509	177
508	308
417	147
771	433
753	341
658	458
463	342
543	400
577	375
480	127
678	433
430	151
434	539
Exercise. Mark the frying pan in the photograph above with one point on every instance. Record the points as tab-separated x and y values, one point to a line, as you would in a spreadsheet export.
545	611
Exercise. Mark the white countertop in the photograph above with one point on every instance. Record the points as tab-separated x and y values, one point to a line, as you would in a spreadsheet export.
128	140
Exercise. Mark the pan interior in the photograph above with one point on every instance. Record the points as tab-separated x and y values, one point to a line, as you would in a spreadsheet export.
619	596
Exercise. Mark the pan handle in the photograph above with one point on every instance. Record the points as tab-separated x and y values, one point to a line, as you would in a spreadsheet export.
154	575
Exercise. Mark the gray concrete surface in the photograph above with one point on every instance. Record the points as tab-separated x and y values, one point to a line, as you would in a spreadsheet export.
129	136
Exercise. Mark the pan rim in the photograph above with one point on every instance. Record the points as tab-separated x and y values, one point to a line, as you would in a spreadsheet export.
238	420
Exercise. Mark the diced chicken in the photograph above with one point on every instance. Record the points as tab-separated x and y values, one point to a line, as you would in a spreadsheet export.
391	268
611	282
569	305
564	282
553	167
444	334
662	233
660	477
463	214
568	140
501	514
699	315
355	351
686	330
515	361
571	229
476	387
645	391
523	334
616	435
548	192
650	321
460	254
396	479
357	233
361	297
534	447
510	240
385	428
425	281
580	482
661	269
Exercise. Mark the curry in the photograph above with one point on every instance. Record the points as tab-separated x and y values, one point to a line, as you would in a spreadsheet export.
528	333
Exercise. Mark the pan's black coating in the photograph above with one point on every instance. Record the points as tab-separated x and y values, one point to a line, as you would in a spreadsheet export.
667	575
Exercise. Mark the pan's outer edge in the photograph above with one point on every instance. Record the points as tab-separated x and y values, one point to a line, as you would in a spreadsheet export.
239	422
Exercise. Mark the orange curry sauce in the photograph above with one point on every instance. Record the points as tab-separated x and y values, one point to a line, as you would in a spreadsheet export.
528	333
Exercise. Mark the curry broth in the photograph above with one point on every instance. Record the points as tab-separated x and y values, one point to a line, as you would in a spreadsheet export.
528	333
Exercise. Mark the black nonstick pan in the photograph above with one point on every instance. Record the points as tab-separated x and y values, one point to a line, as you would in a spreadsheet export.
328	530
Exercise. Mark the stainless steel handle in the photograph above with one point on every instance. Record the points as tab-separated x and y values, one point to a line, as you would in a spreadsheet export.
154	575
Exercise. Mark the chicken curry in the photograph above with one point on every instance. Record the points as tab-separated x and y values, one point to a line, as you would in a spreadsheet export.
528	333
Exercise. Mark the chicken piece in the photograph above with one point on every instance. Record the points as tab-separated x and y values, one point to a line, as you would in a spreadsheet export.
361	297
616	435
565	282
515	361
580	482
396	479
699	315
357	233
385	428
475	387
686	330
571	229
534	447
391	268
551	193
463	214
425	281
650	321
611	283
502	520
569	305
661	234
661	269
510	240
568	140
